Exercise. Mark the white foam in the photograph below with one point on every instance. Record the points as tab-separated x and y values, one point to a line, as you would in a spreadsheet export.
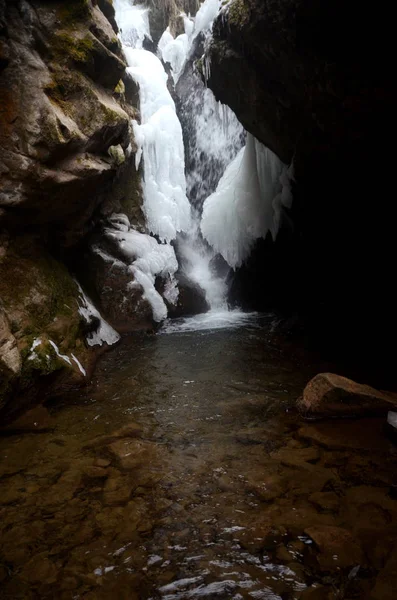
211	320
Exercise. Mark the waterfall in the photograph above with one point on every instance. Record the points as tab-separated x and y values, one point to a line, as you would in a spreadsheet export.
224	182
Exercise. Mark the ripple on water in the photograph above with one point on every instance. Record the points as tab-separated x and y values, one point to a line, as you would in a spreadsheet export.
178	473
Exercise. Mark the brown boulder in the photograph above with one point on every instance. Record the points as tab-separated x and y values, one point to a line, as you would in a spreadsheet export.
36	420
385	586
331	395
337	547
132	453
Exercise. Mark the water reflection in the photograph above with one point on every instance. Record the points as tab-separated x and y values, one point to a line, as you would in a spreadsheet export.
182	472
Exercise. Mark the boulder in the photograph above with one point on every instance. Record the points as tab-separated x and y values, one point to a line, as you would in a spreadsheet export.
39	307
331	395
191	300
337	547
391	425
385	585
36	420
112	283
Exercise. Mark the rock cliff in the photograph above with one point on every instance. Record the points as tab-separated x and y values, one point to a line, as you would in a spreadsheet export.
313	82
66	164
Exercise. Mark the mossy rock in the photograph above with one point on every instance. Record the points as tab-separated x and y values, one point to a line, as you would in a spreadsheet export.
39	296
75	10
239	13
71	46
41	300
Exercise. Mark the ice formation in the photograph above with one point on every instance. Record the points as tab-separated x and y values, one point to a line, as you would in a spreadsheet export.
159	138
174	51
247	203
133	20
149	259
61	356
249	198
80	366
103	333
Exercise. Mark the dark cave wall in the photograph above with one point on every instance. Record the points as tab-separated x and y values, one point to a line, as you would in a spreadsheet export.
314	82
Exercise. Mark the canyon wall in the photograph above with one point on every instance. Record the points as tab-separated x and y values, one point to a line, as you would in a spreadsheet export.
313	82
66	164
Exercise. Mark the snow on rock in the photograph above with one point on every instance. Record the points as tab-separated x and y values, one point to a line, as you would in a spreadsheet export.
149	259
159	138
61	356
176	50
32	353
80	366
247	203
104	333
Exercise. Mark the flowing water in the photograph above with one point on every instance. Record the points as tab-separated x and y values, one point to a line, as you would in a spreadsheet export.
182	471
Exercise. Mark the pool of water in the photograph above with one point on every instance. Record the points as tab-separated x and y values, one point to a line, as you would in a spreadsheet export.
182	471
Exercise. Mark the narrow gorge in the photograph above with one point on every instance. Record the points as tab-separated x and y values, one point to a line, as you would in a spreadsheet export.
194	274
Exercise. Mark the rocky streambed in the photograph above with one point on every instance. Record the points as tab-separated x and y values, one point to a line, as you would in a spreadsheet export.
184	471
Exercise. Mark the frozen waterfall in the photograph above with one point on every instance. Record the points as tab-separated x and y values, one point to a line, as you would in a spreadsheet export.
223	198
247	203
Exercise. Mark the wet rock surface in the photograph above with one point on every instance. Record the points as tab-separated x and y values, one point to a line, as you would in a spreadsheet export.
183	472
330	395
64	167
60	115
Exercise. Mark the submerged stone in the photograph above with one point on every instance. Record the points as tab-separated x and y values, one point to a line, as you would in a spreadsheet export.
337	547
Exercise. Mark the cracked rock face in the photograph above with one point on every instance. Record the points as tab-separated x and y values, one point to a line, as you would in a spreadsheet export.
59	69
66	162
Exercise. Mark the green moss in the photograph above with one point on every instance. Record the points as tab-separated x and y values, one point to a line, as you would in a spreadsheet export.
69	89
199	64
120	88
43	361
40	299
42	291
72	47
64	85
75	10
109	116
239	12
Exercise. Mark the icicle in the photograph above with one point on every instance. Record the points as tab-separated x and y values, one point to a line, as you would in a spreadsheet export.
247	203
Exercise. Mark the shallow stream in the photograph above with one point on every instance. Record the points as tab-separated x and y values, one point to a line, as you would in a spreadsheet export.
182	471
